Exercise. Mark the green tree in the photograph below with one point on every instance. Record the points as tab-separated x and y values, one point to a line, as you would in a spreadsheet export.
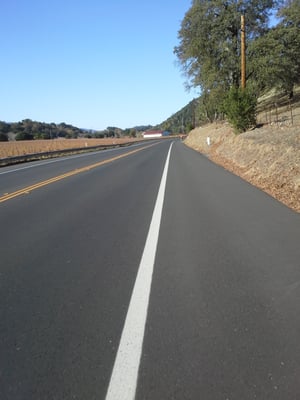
211	104
3	137
4	127
209	49
133	133
24	136
239	106
276	55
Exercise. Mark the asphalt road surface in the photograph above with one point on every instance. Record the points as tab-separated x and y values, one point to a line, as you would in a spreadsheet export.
156	275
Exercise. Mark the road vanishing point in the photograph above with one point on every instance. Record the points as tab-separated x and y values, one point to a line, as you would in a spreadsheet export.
146	272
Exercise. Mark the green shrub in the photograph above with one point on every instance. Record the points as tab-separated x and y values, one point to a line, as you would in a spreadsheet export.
24	136
239	107
3	137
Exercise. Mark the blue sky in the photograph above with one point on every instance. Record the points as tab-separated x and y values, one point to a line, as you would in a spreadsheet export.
91	63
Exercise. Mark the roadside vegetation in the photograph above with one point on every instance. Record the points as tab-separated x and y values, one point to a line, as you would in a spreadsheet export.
34	130
267	157
266	113
209	52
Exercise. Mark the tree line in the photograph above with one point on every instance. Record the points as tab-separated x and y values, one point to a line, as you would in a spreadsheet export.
29	130
182	121
209	52
34	130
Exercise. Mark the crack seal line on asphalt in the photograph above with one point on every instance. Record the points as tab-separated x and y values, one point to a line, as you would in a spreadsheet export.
123	381
38	185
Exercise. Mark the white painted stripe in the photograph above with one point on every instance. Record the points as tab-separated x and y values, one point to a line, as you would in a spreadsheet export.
50	162
71	157
124	376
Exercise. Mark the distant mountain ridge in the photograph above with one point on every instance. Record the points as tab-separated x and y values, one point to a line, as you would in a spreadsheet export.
182	121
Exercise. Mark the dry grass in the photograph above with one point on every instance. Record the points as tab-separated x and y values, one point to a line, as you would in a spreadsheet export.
276	108
19	148
268	157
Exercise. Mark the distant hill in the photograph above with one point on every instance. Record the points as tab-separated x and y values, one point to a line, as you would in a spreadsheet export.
195	113
143	128
31	130
198	112
182	121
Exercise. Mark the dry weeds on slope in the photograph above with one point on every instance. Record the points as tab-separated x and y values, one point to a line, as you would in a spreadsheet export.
268	157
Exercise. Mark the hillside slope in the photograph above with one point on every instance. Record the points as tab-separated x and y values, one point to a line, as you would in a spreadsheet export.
268	157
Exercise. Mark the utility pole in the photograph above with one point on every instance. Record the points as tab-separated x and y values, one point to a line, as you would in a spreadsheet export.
194	114
243	52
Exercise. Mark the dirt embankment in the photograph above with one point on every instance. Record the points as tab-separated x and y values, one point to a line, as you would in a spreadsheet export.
268	157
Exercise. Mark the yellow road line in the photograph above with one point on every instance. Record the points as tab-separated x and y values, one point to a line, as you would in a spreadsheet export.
28	189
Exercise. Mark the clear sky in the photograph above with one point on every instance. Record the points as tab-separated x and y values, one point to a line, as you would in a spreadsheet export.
91	63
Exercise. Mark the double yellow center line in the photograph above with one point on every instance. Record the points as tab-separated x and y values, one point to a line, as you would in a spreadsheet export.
38	185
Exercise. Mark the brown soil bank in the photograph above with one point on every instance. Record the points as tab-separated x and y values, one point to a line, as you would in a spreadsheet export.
267	157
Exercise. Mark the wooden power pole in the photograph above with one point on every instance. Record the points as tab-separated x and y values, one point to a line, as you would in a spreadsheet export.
243	52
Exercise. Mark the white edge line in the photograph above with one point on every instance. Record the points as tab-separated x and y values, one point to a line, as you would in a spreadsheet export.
71	157
123	381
